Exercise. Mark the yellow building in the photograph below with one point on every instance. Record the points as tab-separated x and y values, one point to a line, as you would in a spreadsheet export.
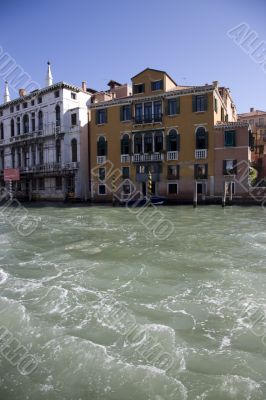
155	128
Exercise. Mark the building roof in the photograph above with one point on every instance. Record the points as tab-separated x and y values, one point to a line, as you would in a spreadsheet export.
254	113
39	92
156	70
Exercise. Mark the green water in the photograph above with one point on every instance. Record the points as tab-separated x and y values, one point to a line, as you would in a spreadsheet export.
110	311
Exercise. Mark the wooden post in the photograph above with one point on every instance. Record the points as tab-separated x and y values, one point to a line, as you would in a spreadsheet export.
113	190
225	194
231	192
149	185
10	190
195	197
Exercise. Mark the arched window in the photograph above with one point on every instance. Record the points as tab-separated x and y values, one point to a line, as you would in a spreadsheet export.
173	141
201	138
102	147
147	143
13	159
125	144
58	150
12	127
2	133
137	143
57	116
158	141
26	123
74	150
40	120
18	126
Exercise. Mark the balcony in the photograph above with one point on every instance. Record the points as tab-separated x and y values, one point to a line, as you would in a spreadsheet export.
148	157
125	158
172	155
148	119
201	154
101	159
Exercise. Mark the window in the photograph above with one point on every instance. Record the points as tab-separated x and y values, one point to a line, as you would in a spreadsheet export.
74	150
58	151
13	158
2	160
101	189
26	123
148	143
12	128
215	105
201	138
2	133
173	172
137	143
172	188
222	114
158	141
58	183
230	138
140	88
261	121
34	184
101	147
173	142
40	148
25	105
40	121
33	155
200	102
19	158
17	107
148	112
58	116
74	119
138	113
41	185
11	109
32	102
73	96
126	188
33	127
173	106
157	85
101	116
18	125
201	171
39	99
25	157
56	93
229	167
125	113
102	174
125	172
125	145
157	107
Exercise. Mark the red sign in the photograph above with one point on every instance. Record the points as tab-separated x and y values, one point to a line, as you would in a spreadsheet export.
11	174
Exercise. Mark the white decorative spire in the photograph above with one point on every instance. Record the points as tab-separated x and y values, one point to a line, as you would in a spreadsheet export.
6	93
49	76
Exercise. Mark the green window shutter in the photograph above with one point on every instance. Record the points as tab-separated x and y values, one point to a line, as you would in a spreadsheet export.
234	138
178	105
121	113
206	102
194	103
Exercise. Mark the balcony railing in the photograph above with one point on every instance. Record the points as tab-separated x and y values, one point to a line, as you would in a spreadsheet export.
148	119
148	157
201	154
49	167
172	155
101	159
125	158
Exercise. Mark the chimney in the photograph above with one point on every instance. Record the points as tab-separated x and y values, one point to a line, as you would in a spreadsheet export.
22	92
215	83
252	109
49	76
6	93
84	86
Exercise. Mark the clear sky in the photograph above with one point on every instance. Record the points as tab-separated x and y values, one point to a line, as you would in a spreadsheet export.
101	40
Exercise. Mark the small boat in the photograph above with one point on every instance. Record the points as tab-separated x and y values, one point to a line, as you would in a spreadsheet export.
140	202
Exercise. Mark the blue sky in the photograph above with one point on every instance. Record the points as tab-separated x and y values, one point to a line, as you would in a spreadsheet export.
101	40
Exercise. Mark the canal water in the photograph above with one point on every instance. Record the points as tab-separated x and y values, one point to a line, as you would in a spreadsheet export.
105	308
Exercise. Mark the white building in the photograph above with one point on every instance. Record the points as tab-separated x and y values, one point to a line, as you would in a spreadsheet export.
44	133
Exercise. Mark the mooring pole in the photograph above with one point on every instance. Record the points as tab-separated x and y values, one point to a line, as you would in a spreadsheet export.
149	185
10	190
225	194
113	190
195	197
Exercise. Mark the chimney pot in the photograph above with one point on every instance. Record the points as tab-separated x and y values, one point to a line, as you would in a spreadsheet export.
84	86
252	109
22	92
